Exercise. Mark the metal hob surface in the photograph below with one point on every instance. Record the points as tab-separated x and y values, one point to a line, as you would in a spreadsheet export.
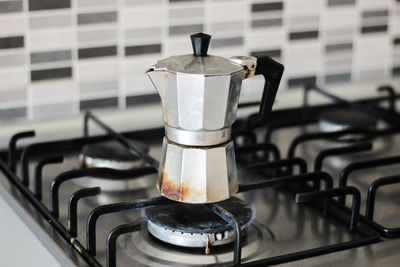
279	225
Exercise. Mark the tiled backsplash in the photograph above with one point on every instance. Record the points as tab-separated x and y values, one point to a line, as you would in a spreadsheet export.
59	57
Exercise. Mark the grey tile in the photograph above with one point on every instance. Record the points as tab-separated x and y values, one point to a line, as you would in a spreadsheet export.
12	95
227	26
97	52
51	56
266	23
396	41
142	49
303	35
375	13
301	81
12	60
101	17
338	47
143	33
97	35
99	87
271	53
374	29
235	41
37	75
53	110
341	2
139	100
267	7
10	6
48	4
12	113
174	1
186	13
111	102
396	71
141	2
185	29
50	22
338	78
11	42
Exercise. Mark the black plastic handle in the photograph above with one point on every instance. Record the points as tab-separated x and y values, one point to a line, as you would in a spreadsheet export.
272	72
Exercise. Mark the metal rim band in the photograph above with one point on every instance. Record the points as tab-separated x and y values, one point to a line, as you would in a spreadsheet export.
200	138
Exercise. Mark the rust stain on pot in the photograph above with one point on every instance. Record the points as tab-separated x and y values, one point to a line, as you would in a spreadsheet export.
179	192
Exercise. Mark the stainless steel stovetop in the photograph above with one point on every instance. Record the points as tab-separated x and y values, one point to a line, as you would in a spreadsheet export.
281	231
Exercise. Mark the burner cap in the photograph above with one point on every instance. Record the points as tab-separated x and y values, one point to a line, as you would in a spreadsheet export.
344	118
192	225
111	154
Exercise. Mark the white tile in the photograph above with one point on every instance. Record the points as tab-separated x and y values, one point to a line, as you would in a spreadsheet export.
143	17
17	78
92	69
226	12
53	39
11	25
52	91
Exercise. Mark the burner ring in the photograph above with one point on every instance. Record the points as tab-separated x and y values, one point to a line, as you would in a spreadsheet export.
192	225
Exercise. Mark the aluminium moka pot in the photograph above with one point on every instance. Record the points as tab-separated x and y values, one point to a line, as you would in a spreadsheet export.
200	96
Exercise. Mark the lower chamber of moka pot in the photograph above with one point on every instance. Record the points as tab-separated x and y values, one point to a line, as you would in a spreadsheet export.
197	175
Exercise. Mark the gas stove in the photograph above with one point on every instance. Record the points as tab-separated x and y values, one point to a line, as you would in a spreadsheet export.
92	200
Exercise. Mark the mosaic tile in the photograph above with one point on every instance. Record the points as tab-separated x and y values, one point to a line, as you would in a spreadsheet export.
37	75
50	56
11	42
10	6
48	4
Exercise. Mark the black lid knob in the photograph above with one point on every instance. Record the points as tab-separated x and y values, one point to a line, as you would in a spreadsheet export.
200	43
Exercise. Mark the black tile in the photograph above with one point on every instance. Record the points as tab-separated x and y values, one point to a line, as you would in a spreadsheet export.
185	29
338	47
266	23
375	13
93	18
263	53
374	29
396	41
12	113
338	78
396	71
138	100
48	4
99	103
142	49
341	2
50	56
97	52
11	42
10	6
37	75
301	81
267	7
303	35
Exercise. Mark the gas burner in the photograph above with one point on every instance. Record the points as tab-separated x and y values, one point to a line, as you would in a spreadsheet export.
344	118
111	154
193	225
149	251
